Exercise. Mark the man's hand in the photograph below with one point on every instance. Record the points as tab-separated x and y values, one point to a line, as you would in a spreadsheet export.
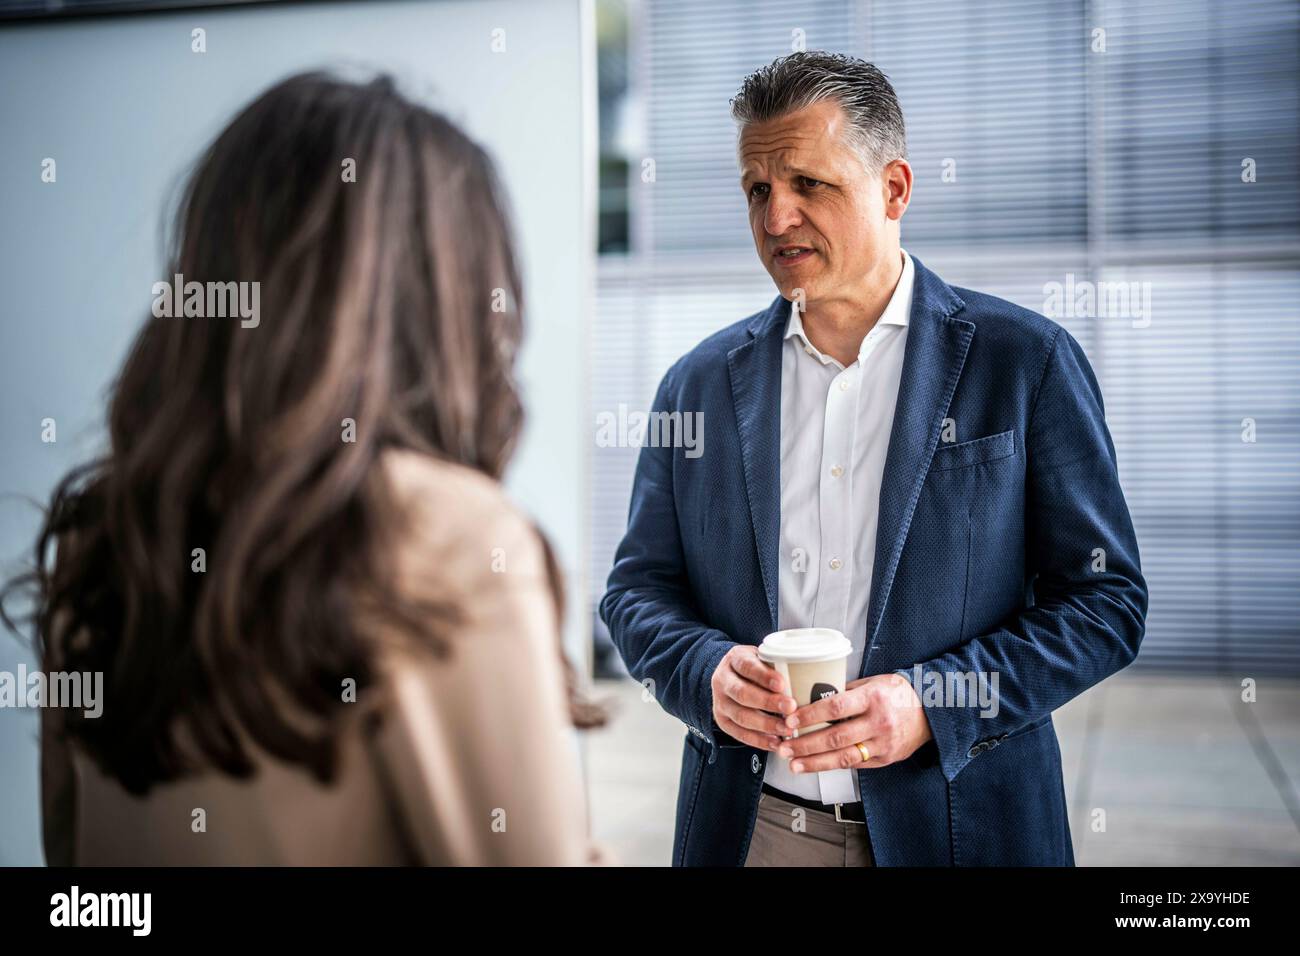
745	690
883	712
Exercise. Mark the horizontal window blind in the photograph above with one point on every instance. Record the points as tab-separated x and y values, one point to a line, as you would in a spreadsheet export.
1191	90
994	101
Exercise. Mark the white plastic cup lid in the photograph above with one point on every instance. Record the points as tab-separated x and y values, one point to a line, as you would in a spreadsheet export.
804	645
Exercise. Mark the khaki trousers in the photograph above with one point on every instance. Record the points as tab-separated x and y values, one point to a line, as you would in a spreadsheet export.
821	840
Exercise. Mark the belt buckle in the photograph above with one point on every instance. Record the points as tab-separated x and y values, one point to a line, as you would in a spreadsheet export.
840	819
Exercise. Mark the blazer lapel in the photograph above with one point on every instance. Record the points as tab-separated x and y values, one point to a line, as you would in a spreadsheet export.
755	372
932	363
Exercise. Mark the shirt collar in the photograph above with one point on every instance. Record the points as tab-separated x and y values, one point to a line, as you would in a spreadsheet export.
897	310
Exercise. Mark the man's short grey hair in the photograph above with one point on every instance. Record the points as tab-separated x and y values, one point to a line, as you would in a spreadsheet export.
790	83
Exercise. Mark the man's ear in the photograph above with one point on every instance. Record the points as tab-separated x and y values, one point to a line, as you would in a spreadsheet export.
896	180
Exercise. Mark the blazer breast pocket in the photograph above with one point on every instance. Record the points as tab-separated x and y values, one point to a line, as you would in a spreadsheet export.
974	452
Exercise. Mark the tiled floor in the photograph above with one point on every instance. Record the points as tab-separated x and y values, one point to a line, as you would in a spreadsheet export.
1184	773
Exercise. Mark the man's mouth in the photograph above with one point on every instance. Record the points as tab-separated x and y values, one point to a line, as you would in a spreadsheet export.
787	255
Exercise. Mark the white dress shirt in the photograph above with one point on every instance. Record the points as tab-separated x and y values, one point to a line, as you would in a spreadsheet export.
835	425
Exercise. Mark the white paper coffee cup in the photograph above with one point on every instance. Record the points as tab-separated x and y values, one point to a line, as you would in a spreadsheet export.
813	661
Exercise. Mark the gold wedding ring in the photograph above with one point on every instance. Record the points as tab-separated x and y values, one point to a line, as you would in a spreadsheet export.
862	749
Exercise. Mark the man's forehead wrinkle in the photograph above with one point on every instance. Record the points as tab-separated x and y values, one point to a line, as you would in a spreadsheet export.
775	138
777	167
778	154
790	144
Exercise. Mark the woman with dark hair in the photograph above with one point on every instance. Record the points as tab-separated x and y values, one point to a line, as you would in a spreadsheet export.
326	635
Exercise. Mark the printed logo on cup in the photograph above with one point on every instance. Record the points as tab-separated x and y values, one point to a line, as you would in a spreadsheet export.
813	661
821	691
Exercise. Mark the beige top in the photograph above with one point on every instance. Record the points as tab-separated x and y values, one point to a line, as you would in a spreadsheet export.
476	761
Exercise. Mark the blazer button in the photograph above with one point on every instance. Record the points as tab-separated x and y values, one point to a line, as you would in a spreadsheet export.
754	764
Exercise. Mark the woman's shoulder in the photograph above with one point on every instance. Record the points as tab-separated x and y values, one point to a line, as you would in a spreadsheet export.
453	497
460	524
415	472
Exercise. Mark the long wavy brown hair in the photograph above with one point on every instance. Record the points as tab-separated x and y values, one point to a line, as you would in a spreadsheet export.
390	297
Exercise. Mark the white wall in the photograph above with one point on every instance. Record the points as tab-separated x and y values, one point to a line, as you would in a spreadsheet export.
124	106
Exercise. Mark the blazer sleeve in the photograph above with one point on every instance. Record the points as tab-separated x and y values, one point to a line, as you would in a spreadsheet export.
1090	598
478	747
648	607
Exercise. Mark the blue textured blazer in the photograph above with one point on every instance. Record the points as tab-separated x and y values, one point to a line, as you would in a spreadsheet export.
1006	550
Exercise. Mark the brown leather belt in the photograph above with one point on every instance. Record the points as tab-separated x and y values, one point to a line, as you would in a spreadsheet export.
842	812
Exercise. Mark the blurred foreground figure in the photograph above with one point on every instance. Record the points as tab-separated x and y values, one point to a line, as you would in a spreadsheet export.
325	634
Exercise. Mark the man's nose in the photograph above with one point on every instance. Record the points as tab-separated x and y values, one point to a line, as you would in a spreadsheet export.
782	213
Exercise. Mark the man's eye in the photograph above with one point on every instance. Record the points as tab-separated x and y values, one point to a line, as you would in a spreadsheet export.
809	182
754	188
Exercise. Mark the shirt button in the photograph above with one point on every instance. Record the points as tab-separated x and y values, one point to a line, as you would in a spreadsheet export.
844	385
836	564
836	471
808	349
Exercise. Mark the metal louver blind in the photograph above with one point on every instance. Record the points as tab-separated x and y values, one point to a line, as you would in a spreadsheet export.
995	94
1218	518
1192	89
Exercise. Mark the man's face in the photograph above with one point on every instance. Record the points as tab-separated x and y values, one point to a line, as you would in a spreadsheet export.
807	189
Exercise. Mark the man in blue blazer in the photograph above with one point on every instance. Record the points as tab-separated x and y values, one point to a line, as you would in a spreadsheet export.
926	469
